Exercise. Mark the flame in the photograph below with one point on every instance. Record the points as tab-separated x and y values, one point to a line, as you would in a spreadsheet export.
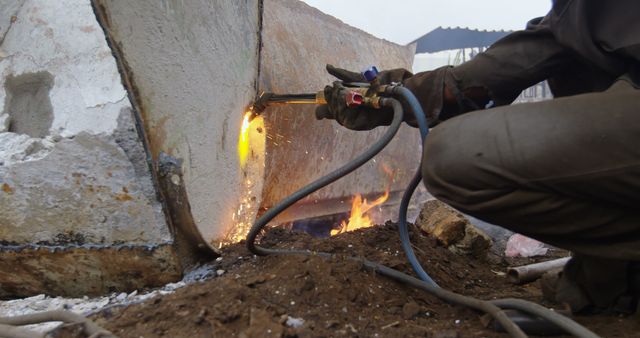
358	218
243	141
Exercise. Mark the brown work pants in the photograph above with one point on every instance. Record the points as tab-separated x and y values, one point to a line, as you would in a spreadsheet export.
564	171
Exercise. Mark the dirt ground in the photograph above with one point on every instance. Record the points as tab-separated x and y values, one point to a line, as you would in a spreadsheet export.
266	296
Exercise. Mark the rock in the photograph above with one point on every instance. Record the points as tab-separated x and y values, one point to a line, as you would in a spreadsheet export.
410	310
474	243
452	229
442	222
121	297
294	322
261	324
255	280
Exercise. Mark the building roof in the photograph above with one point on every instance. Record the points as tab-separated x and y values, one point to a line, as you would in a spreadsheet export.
441	39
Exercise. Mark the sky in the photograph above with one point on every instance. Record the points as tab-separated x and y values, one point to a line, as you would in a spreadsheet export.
402	21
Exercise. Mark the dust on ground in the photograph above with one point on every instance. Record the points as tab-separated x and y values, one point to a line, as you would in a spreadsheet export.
298	296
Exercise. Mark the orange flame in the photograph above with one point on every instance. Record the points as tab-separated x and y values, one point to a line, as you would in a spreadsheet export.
358	218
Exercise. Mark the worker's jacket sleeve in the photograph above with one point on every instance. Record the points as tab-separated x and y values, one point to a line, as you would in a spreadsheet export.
514	63
511	65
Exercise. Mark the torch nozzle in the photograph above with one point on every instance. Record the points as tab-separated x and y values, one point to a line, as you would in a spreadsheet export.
267	99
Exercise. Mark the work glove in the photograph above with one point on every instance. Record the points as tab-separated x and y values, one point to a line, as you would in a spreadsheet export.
358	118
426	86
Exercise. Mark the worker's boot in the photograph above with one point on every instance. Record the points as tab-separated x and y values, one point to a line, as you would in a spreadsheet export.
589	285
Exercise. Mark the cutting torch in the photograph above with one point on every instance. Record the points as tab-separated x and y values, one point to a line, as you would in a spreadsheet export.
354	94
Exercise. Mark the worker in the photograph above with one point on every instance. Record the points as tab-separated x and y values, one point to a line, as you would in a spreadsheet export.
564	171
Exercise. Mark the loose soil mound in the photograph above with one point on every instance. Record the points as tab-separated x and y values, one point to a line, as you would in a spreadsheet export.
264	296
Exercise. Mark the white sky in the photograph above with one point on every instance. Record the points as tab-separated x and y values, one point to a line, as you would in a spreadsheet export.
403	21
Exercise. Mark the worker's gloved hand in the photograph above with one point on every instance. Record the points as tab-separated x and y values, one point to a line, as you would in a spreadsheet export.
428	87
359	118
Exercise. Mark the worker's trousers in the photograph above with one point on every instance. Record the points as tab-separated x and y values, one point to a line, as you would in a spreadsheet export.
564	171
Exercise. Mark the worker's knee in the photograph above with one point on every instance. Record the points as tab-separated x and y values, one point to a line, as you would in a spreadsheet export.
441	165
430	167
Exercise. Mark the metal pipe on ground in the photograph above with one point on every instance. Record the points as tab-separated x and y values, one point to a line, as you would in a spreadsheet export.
529	273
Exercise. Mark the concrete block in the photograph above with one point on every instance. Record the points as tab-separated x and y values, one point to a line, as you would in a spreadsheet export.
84	190
74	177
191	68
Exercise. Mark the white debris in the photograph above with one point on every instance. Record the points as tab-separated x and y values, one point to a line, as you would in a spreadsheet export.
200	273
121	297
294	322
86	306
519	245
42	303
173	286
220	272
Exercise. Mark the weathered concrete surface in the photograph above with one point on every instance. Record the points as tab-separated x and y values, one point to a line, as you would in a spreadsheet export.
192	68
72	161
84	188
74	176
298	41
85	92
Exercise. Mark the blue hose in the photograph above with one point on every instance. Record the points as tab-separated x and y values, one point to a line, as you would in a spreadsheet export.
414	106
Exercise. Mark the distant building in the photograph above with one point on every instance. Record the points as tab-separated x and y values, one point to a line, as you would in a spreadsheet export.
453	46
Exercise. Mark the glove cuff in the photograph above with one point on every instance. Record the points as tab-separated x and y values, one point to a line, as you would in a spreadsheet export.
428	87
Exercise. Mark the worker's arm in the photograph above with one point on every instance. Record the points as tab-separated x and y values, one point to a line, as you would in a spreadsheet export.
499	74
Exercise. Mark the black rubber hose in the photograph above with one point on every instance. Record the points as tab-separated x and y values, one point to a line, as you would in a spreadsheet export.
403	229
563	322
325	180
449	296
